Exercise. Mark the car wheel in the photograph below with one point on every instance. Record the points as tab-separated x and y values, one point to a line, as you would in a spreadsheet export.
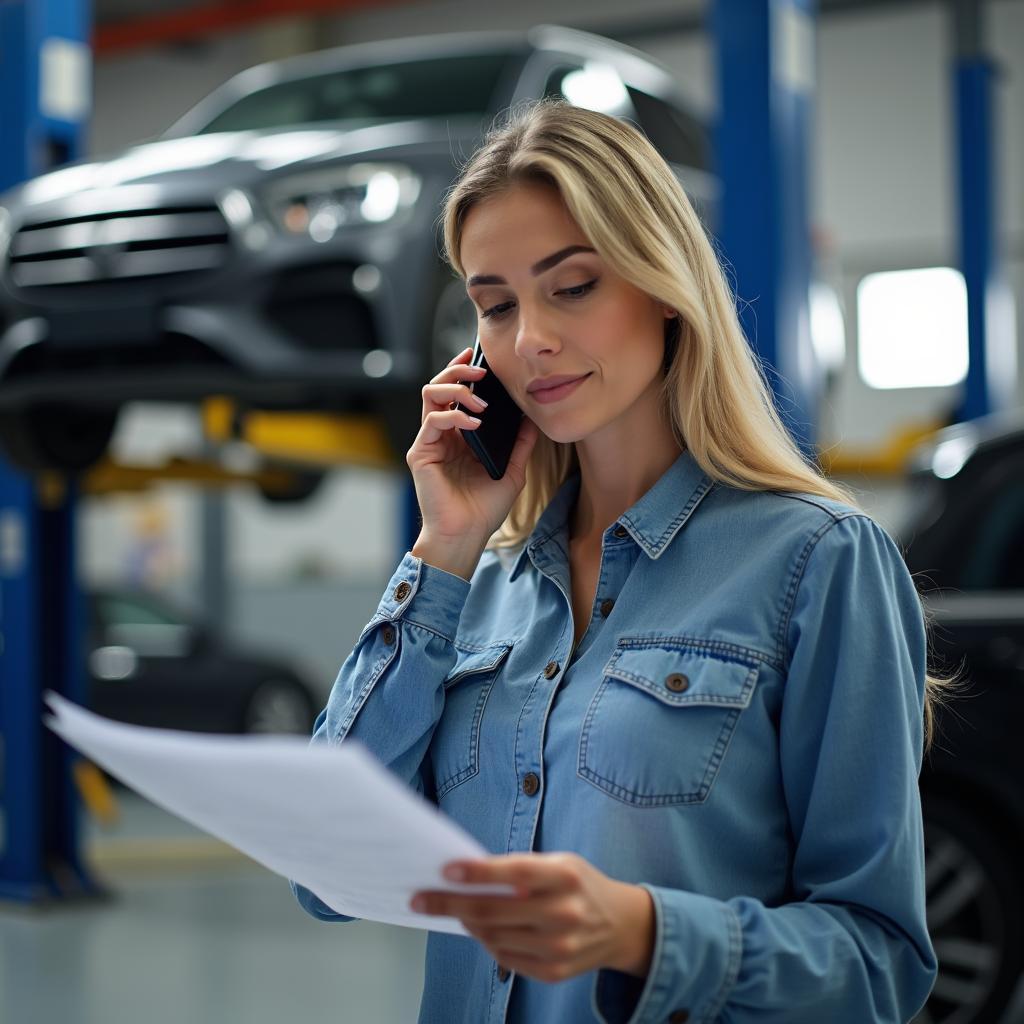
278	706
63	438
454	323
974	916
303	484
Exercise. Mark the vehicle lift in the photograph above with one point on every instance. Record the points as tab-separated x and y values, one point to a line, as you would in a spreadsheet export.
765	62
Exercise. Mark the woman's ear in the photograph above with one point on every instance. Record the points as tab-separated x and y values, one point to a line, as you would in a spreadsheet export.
669	313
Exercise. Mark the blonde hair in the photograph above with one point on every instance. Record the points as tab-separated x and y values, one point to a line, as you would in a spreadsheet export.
633	210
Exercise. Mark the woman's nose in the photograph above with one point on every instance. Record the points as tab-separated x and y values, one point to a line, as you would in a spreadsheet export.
534	335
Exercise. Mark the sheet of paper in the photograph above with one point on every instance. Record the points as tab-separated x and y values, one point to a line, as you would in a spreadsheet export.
331	818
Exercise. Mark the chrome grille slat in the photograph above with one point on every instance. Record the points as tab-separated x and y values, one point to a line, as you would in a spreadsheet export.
171	261
119	230
116	245
70	271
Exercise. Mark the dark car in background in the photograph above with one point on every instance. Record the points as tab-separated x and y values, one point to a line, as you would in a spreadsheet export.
280	244
150	664
964	543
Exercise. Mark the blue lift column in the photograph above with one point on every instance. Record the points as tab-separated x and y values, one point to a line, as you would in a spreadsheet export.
765	56
992	344
45	76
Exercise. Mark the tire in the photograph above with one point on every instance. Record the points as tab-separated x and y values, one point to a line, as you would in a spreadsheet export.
975	908
65	438
449	327
305	483
278	705
453	324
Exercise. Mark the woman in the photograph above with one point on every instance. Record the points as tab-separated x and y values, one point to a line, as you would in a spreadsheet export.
669	675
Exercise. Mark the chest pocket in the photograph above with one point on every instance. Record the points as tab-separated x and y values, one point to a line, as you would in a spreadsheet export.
660	723
455	747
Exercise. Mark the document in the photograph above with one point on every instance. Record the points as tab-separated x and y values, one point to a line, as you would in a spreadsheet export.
330	817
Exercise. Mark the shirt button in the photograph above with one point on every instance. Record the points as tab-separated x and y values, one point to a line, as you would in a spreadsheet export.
679	1017
531	783
621	531
677	682
389	635
402	591
606	607
503	973
551	670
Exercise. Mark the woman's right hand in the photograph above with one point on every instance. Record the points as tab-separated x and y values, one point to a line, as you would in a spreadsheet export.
458	500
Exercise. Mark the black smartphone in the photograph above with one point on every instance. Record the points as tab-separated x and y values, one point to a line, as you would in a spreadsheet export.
492	442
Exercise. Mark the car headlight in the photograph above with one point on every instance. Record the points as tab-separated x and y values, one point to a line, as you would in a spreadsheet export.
319	203
5	232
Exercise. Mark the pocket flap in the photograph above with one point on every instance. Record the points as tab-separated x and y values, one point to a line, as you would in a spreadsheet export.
470	661
680	675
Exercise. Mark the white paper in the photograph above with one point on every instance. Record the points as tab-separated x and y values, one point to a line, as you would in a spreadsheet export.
330	817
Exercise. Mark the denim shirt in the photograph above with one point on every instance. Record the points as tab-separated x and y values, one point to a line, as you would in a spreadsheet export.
739	732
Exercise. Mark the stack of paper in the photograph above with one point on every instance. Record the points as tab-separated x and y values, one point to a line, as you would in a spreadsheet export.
330	817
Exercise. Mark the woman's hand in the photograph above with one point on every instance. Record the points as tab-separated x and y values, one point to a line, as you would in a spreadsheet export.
567	917
457	497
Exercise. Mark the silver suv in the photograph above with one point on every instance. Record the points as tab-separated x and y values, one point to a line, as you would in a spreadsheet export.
280	243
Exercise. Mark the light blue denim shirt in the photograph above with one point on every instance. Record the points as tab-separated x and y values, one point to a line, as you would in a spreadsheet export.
739	732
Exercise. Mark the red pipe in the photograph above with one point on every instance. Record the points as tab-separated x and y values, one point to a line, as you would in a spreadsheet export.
197	22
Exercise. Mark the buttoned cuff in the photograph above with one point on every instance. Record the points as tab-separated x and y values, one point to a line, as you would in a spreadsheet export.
697	949
424	595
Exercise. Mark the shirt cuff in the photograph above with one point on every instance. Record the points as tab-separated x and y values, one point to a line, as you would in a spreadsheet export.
424	595
697	950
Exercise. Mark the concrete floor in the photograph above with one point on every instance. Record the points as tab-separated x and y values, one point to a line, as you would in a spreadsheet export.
196	933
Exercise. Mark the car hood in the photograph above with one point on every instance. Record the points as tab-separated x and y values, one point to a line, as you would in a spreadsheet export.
236	159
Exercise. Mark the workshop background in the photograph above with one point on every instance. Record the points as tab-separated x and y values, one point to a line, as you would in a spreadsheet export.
187	542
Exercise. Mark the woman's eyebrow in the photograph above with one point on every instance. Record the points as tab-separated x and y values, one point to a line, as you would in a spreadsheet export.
538	268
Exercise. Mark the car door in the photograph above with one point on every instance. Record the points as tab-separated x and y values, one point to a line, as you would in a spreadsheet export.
972	545
143	664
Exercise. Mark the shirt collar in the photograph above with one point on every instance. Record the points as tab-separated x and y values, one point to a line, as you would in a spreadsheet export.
652	521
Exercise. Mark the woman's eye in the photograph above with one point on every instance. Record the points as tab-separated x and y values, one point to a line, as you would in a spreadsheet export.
496	311
575	292
579	290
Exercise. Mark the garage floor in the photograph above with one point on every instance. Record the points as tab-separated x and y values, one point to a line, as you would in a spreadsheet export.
196	933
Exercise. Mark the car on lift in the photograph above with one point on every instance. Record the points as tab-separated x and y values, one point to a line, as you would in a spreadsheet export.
963	540
280	244
151	664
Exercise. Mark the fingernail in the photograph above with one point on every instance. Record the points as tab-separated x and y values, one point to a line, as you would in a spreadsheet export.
474	419
483	404
418	903
455	873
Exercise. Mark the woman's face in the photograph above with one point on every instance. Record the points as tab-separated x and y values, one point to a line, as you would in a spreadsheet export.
548	306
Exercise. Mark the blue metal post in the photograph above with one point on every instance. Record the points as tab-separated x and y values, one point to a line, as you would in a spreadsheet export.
44	86
992	345
765	54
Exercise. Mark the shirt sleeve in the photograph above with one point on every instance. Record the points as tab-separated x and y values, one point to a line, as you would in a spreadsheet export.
853	945
389	693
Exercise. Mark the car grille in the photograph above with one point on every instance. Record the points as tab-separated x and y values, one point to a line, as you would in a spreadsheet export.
118	245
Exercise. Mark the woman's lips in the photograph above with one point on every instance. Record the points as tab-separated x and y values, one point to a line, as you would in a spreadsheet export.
555	394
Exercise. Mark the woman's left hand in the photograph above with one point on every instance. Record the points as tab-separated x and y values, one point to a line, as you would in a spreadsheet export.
565	919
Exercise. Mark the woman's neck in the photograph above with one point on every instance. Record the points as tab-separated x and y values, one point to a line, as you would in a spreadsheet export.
612	482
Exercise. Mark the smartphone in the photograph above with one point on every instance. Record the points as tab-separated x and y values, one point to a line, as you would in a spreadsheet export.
492	442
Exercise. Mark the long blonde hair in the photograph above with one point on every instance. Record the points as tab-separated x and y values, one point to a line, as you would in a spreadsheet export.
631	207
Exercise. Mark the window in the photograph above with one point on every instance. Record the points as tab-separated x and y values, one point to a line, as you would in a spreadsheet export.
370	95
912	328
828	332
593	86
679	137
995	548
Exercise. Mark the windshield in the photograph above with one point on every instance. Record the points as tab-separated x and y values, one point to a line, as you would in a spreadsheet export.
371	95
